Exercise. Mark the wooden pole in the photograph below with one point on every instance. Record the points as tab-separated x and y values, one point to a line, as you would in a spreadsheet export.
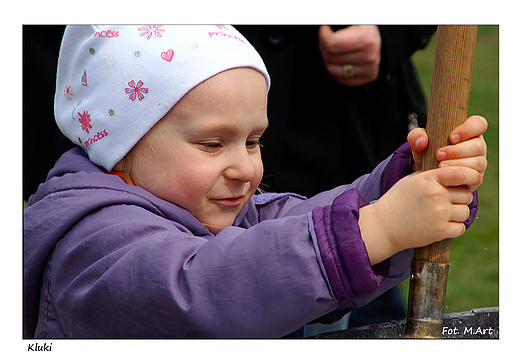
447	109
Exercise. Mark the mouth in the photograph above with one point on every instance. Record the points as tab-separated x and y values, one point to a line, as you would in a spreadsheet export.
230	202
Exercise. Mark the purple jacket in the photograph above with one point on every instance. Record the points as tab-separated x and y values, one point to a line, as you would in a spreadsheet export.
106	259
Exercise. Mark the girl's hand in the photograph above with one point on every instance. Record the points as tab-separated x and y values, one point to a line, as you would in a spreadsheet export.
468	147
434	210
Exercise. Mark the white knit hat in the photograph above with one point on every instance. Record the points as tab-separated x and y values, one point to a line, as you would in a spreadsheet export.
115	83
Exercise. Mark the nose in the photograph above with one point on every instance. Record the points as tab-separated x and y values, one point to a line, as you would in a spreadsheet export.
240	166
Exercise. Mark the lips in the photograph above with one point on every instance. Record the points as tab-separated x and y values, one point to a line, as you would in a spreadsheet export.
235	201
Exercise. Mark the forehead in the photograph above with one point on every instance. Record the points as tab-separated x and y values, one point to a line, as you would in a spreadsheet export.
234	83
237	93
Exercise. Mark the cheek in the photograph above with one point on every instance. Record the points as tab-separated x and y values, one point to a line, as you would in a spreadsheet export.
259	174
187	182
174	179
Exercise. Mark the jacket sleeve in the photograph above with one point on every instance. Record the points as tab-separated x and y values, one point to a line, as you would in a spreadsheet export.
143	277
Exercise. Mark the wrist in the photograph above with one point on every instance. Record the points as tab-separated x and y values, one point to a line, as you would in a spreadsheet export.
378	243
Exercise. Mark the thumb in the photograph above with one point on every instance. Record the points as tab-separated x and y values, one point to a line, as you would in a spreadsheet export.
418	140
326	37
324	32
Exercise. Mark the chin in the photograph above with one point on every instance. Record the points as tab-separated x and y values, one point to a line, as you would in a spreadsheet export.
216	227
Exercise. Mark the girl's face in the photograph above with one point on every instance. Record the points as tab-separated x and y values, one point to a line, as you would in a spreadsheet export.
204	154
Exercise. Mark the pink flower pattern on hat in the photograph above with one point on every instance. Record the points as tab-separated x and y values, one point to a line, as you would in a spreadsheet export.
84	119
136	91
151	30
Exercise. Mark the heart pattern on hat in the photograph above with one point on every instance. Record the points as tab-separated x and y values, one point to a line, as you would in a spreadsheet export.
168	55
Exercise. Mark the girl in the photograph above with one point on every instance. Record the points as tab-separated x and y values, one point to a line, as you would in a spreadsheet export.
152	228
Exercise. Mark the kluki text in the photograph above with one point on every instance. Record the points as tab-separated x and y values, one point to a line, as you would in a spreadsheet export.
35	347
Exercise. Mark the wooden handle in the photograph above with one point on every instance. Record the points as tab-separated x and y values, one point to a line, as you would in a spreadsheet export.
448	106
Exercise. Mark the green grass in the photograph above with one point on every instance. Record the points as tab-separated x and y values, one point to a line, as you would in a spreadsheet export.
473	275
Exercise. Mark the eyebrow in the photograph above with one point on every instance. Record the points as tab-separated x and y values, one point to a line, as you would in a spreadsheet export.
228	127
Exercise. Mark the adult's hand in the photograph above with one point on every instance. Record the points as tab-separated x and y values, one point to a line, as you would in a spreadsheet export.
358	47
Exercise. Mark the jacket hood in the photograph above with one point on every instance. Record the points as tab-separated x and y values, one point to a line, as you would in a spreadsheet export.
62	201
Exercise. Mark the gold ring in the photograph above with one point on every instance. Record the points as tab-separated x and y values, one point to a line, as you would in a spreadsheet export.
348	70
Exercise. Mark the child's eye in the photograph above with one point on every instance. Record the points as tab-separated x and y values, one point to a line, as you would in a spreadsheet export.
210	146
254	143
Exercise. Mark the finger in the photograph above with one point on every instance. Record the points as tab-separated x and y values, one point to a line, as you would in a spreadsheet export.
338	70
473	127
478	163
460	195
357	58
471	148
474	186
332	43
361	74
325	37
455	229
418	139
459	213
455	176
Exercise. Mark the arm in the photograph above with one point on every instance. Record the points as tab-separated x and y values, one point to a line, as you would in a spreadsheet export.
163	282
